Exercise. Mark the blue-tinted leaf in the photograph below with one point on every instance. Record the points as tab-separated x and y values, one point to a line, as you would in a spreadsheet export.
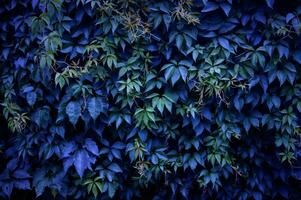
7	188
118	145
297	56
96	105
34	3
226	8
22	184
276	101
73	110
206	113
91	146
175	77
225	44
210	6
41	117
238	103
270	3
81	162
21	174
179	41
31	98
115	168
183	72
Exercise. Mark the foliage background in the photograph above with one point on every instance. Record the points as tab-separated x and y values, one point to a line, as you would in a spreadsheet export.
134	99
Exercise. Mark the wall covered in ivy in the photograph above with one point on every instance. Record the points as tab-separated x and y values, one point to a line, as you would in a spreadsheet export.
138	99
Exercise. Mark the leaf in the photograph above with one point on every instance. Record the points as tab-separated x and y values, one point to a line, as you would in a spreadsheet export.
81	162
115	168
238	103
276	101
289	17
7	188
96	105
118	145
41	117
226	8
179	41
169	72
73	110
59	80
183	72
283	51
175	77
171	96
22	184
143	135
206	113
299	106
195	55
91	146
21	174
225	43
281	77
31	98
68	163
297	56
210	6
111	190
159	103
34	3
270	3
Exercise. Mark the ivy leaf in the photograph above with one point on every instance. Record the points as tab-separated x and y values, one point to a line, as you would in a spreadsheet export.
73	110
96	105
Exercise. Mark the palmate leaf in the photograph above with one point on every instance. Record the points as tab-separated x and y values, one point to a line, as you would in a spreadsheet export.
126	98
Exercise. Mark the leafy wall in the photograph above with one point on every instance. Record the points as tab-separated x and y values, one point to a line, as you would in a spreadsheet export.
137	99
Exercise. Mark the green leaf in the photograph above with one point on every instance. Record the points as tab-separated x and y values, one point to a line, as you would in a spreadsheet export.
59	80
94	190
100	186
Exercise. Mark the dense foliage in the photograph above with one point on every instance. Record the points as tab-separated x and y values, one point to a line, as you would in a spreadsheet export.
170	99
